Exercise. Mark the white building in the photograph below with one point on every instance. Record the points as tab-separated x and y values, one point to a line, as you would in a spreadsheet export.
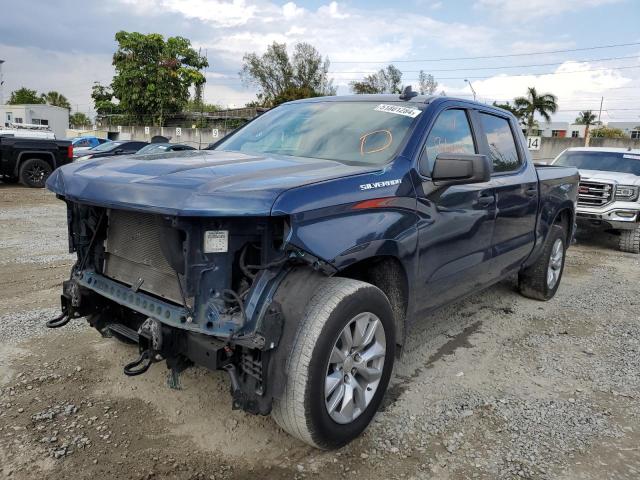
57	118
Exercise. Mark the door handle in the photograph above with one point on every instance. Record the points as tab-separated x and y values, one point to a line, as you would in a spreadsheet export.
486	200
531	191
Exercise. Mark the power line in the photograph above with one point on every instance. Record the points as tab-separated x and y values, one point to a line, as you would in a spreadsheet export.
480	57
500	67
485	77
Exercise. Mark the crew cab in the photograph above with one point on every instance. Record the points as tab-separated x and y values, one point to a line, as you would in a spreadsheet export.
296	255
608	196
31	160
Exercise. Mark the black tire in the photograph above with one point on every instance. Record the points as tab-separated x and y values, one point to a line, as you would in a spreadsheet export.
533	282
302	411
34	173
629	240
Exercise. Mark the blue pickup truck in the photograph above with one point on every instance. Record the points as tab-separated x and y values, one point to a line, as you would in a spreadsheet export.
296	254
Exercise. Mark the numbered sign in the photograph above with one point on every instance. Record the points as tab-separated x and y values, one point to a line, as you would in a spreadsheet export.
215	133
533	143
178	132
146	130
119	128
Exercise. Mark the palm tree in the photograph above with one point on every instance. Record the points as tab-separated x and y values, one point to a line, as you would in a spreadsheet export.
517	111
586	118
542	104
57	99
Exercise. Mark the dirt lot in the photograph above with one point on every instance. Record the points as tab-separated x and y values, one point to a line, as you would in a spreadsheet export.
495	386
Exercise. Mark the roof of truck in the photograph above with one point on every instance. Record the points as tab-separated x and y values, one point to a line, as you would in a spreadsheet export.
378	97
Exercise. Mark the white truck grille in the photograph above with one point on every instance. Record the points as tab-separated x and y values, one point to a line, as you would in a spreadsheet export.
594	194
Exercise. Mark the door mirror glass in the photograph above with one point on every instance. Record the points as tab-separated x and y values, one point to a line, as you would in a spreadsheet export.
459	169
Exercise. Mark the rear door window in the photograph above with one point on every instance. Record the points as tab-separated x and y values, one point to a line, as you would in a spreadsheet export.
503	152
451	133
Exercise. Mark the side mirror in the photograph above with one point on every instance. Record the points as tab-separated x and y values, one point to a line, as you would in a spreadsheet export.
119	151
460	169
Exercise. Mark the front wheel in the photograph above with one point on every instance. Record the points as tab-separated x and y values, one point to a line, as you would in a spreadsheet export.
542	279
630	240
339	366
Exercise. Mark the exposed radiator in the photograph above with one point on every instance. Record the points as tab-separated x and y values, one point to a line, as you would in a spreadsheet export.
133	254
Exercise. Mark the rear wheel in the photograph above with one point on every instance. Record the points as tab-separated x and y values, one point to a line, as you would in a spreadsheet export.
630	240
339	366
542	279
34	172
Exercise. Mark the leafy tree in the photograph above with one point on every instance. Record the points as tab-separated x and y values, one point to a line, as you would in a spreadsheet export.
387	80
281	78
55	98
79	119
153	75
103	100
427	85
586	118
542	104
24	96
517	111
608	132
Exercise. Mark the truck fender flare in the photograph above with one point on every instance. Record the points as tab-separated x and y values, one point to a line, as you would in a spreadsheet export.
38	153
543	228
303	282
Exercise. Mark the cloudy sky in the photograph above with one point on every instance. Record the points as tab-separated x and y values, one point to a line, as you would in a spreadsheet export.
66	45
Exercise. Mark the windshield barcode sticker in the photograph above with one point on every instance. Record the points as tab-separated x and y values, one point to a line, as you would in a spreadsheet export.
407	112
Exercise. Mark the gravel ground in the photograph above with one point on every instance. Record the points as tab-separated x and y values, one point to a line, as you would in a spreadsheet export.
495	386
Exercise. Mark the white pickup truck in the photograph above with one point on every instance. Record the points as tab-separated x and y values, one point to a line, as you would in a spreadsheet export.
608	191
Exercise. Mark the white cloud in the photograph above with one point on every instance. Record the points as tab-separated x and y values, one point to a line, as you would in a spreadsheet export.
222	13
525	10
578	86
333	11
291	10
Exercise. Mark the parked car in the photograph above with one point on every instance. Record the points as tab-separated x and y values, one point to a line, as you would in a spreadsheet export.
296	254
31	160
110	149
163	148
82	144
608	196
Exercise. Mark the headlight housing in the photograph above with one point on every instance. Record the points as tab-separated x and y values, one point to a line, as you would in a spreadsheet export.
627	193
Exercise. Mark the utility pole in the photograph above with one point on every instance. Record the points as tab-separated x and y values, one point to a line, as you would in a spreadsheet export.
1	84
472	89
600	112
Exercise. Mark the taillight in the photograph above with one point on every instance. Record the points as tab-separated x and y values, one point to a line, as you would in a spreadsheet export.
70	151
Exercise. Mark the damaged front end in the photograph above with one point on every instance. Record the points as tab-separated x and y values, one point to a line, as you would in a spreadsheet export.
187	290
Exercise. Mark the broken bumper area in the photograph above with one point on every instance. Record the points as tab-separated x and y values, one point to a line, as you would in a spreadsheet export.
167	332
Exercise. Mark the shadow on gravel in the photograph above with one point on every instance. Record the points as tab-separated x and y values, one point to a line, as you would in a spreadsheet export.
395	391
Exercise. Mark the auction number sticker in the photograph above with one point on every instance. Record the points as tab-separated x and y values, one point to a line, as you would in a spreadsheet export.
406	111
216	241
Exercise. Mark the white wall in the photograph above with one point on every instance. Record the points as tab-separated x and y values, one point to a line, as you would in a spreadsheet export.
58	117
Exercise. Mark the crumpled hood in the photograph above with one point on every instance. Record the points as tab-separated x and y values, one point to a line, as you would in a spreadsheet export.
192	183
609	177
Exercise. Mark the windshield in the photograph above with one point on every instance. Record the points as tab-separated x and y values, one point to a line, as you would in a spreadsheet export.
348	132
153	148
603	161
105	147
